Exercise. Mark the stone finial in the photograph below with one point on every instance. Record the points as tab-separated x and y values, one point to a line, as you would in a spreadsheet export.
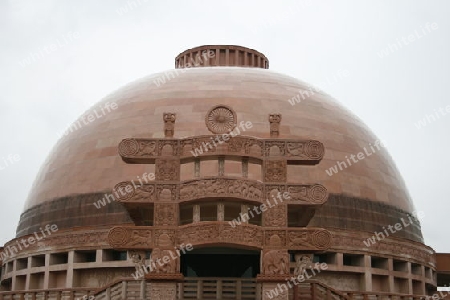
169	124
275	120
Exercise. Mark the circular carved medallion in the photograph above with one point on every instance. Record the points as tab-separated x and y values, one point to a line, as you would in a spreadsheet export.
321	239
221	119
128	147
314	150
318	193
118	236
124	190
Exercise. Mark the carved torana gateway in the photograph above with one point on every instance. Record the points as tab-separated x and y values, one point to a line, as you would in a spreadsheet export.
167	193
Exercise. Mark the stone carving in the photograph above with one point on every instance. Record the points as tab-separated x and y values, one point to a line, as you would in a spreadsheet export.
164	265
220	212
144	150
168	147
138	259
118	237
144	193
276	216
169	124
275	171
197	168
245	167
314	194
167	169
221	166
206	233
166	214
221	119
124	191
276	262
130	237
128	147
147	148
275	120
309	239
314	150
165	238
196	214
269	287
214	187
166	192
321	239
275	238
140	238
163	291
275	148
302	262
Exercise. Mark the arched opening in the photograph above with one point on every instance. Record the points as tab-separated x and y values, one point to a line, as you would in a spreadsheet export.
221	262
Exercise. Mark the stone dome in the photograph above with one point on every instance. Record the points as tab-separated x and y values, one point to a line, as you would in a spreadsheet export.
85	164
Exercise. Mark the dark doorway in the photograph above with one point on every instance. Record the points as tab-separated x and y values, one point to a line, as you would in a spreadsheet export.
220	262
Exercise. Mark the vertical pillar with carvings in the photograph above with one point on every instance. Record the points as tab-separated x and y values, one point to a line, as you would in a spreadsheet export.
221	166
275	270
274	120
221	211
196	213
169	124
245	167
197	168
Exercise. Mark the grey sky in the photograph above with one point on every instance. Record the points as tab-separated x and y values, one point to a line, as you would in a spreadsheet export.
101	47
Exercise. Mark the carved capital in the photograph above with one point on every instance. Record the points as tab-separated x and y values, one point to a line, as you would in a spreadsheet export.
169	124
275	120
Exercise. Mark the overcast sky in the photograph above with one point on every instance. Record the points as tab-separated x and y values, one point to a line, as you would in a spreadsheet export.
102	45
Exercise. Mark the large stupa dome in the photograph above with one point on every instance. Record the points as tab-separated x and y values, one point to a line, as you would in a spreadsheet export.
365	193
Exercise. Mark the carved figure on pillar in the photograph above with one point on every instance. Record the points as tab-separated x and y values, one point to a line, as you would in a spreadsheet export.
276	262
302	262
275	120
138	258
169	124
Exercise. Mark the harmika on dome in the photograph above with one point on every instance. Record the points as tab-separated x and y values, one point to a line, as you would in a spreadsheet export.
206	182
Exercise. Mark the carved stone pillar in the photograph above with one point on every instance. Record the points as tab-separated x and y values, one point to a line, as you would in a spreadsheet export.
276	214
164	269
196	213
275	120
274	272
220	212
167	169
169	124
244	211
197	168
245	167
221	166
